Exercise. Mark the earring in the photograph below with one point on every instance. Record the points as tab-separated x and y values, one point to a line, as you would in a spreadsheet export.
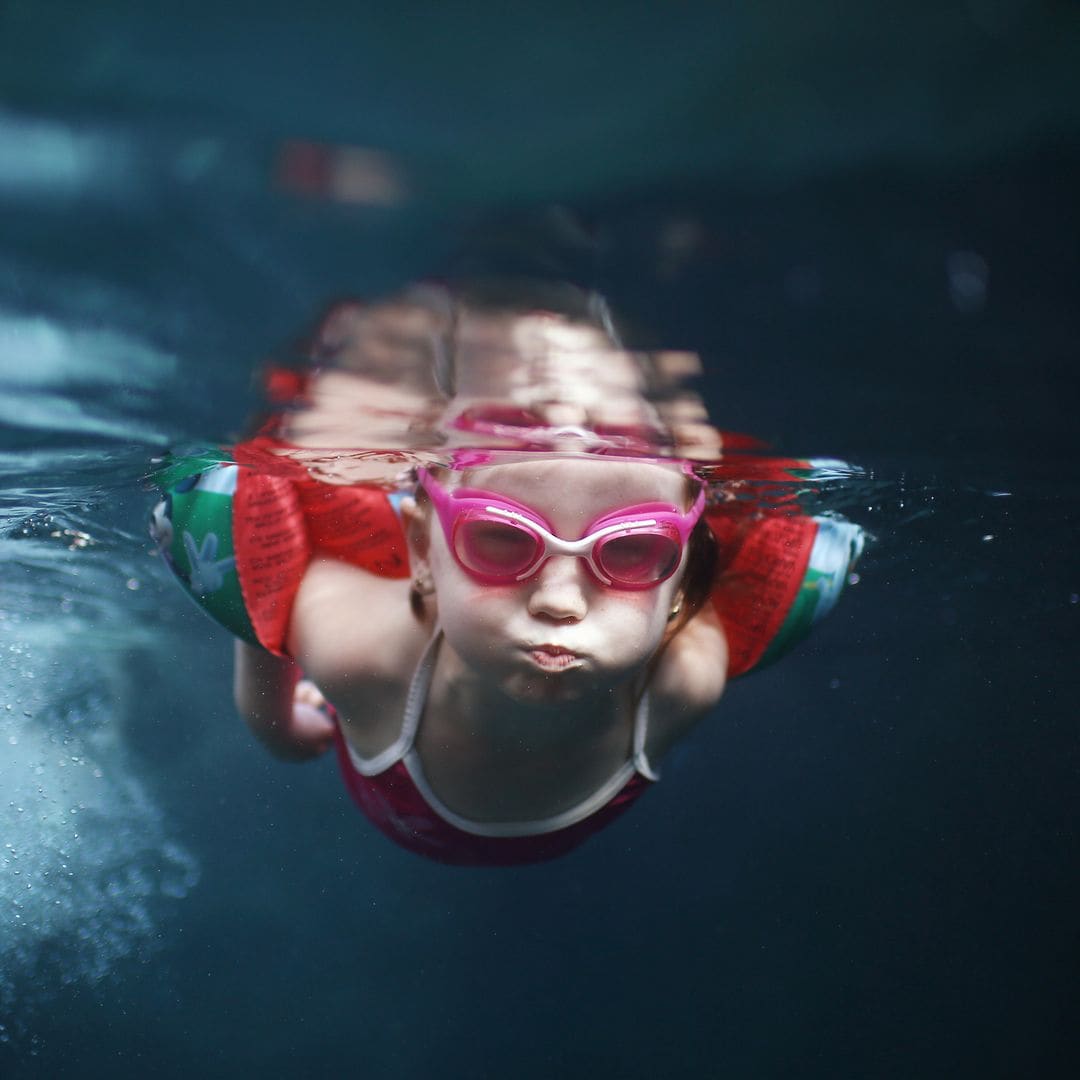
673	614
420	586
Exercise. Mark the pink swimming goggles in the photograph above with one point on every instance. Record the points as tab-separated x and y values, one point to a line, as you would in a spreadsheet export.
500	542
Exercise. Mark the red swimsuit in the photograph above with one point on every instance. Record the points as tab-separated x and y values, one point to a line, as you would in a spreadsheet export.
395	795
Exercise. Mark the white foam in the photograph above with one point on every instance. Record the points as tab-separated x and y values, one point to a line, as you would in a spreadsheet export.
87	867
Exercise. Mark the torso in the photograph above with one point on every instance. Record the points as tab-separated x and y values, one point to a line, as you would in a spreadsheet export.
364	665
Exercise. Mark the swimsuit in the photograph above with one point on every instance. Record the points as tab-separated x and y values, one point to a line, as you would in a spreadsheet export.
396	797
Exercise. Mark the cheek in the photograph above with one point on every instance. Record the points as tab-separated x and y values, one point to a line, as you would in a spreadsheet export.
472	617
477	632
634	624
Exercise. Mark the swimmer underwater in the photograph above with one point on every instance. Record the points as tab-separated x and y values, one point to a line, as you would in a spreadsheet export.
500	641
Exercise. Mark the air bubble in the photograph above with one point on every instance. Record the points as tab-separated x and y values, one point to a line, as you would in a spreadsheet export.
60	922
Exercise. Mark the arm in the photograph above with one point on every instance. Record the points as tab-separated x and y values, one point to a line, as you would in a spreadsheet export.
284	712
690	678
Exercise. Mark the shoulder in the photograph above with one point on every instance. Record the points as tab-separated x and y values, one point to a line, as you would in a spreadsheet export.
690	677
351	625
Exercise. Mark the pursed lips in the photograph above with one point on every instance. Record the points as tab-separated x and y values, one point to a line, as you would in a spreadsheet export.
553	657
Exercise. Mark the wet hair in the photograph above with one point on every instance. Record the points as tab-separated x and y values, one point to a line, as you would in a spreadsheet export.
510	296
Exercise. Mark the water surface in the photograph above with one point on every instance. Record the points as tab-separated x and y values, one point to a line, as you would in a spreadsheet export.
862	865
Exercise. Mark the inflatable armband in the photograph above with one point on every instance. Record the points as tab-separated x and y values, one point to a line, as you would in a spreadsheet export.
781	570
239	539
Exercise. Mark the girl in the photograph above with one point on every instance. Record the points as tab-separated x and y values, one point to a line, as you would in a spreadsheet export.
515	693
501	650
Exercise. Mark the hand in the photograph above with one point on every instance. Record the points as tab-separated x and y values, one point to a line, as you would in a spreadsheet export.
310	729
286	712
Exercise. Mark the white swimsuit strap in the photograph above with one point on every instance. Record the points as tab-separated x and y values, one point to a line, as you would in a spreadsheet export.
402	749
587	807
598	799
641	733
410	720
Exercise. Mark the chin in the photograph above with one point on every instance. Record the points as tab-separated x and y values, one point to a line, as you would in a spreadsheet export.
561	687
544	689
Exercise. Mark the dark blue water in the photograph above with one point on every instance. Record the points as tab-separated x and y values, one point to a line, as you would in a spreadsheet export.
865	863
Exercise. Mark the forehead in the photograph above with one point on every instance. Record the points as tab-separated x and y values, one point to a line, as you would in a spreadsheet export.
576	491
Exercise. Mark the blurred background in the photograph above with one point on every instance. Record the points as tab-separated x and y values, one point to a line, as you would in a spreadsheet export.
864	218
840	191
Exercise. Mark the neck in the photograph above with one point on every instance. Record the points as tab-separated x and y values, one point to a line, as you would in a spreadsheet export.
478	710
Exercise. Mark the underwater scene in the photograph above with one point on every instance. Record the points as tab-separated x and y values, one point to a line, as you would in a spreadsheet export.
539	543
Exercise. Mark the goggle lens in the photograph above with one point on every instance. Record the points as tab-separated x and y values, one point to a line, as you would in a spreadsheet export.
495	549
639	558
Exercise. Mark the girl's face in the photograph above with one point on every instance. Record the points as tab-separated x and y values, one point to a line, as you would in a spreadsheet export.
561	634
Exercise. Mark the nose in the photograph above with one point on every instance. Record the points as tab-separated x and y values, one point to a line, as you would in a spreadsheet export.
560	590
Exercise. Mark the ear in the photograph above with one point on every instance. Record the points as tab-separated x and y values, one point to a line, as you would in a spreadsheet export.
416	517
676	616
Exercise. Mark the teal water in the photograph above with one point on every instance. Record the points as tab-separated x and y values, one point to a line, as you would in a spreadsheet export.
863	865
